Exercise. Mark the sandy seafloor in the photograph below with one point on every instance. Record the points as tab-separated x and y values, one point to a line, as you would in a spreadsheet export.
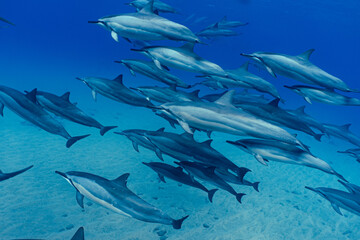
40	204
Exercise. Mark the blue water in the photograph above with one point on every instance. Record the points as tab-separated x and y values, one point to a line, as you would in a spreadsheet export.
52	43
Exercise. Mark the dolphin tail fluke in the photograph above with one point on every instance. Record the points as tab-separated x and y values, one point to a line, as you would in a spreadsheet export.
79	235
104	130
256	186
177	223
239	196
318	136
73	140
211	194
241	172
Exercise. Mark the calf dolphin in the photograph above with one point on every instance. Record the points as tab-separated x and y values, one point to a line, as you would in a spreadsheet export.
269	150
26	107
4	176
177	174
145	25
224	23
61	106
328	96
115	90
342	132
222	116
216	31
207	174
150	70
353	152
183	58
115	195
137	137
299	68
164	95
339	199
157	7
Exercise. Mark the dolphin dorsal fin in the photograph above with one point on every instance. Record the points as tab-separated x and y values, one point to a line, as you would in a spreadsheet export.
226	99
148	8
216	25
79	235
32	95
161	129
300	109
275	102
122	180
306	55
119	79
243	67
224	19
346	127
195	93
207	142
188	46
66	96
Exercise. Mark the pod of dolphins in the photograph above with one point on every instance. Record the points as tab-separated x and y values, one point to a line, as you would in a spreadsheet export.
240	113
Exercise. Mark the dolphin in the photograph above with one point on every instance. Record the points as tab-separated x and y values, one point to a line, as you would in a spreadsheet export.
339	199
183	147
207	174
26	107
61	106
145	25
164	95
224	23
353	152
216	31
115	90
328	96
352	188
269	150
137	137
342	132
177	174
157	7
150	70
183	58
115	195
6	21
222	116
239	98
306	118
230	178
299	68
216	82
4	176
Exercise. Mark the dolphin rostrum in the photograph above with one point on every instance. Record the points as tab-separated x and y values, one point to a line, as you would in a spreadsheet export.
115	195
4	176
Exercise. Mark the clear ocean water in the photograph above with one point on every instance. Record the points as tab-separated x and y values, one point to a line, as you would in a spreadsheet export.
51	44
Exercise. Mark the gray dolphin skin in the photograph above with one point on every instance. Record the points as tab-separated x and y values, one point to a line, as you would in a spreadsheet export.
224	23
177	174
207	174
339	199
6	21
352	188
222	116
183	147
149	69
5	176
328	96
164	95
216	31
342	132
306	118
115	90
238	98
268	150
26	107
158	6
352	152
137	137
182	58
299	68
216	82
115	195
145	25
61	106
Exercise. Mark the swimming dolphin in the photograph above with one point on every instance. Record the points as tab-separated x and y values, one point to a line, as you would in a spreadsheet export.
353	152
222	116
224	23
339	199
115	195
216	31
342	132
269	150
352	188
137	137
238	98
177	174
157	7
115	90
6	21
145	25
328	96
183	58
61	106
216	82
150	70
299	68
230	178
26	107
183	147
207	174
4	176
170	94
306	118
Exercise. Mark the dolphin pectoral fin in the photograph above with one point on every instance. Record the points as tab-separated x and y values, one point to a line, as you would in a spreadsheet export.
211	194
80	199
79	235
157	64
336	208
132	72
159	154
268	68
114	36
135	146
93	93
260	159
307	99
161	177
2	109
185	126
